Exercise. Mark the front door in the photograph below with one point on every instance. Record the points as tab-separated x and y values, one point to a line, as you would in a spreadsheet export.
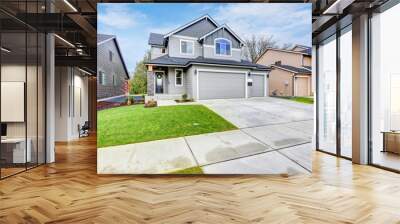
159	82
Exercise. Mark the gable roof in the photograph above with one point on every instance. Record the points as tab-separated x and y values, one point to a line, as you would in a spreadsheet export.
156	39
306	53
226	27
300	46
293	69
104	38
191	23
186	62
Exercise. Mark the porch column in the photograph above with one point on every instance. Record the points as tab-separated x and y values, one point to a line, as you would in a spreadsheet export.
150	83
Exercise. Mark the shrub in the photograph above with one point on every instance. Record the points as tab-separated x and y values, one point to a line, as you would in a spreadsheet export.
150	103
184	97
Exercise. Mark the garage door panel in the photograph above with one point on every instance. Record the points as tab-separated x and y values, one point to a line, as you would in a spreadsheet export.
258	87
221	85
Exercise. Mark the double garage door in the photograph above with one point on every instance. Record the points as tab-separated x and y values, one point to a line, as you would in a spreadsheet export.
228	85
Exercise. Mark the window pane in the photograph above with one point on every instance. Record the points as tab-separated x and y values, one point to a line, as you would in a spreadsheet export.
346	92
385	88
189	47
327	95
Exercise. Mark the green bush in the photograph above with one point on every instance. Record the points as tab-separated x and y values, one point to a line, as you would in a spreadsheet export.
184	97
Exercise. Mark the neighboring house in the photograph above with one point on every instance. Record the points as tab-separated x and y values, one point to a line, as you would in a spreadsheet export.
291	71
204	60
112	74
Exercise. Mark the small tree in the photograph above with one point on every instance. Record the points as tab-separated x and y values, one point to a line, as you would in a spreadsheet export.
138	83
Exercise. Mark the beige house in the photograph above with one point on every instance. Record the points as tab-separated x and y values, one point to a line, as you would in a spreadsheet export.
291	71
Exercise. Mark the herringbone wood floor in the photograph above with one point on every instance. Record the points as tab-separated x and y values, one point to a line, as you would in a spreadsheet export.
69	191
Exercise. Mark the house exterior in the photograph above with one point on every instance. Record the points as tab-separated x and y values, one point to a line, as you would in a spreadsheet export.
291	71
204	60
112	73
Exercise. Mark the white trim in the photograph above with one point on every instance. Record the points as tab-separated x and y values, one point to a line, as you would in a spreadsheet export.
180	46
221	71
106	40
215	48
224	26
184	37
155	80
191	23
245	85
179	69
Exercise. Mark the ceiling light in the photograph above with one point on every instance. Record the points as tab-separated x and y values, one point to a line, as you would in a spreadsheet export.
64	40
338	6
5	50
86	72
70	5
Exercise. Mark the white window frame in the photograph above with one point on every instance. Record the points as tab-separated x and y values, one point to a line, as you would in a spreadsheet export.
215	47
181	77
188	41
102	80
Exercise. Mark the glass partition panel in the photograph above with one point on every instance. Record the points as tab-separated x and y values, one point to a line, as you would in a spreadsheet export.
346	92
327	95
14	154
31	98
385	89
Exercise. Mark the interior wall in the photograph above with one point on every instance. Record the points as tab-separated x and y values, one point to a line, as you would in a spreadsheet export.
71	102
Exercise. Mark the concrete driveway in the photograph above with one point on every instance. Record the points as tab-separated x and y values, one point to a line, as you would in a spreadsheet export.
274	137
260	111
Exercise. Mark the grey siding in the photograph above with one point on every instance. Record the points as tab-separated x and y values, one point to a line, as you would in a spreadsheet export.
156	52
209	52
170	81
222	33
198	29
110	68
174	48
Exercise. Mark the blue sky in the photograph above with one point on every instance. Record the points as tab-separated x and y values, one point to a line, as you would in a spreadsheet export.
133	22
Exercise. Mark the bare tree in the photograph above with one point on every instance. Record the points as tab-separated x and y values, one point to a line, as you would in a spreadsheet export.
287	46
256	46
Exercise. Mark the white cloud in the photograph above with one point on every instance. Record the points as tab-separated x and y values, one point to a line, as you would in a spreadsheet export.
280	20
120	16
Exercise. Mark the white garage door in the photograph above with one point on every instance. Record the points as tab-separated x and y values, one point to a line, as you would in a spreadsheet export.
258	87
221	85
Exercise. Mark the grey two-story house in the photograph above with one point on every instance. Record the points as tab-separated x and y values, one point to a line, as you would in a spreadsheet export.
204	60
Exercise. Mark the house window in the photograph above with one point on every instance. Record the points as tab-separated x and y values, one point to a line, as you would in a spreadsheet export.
187	47
178	77
102	78
222	47
114	81
110	53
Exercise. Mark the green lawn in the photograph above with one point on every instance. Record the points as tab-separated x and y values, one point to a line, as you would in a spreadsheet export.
191	170
132	124
300	99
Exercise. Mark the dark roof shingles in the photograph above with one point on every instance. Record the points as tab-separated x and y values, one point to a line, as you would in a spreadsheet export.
156	39
166	60
294	69
103	37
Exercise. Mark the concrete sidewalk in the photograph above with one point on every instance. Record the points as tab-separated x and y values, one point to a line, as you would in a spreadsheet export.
217	153
274	137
